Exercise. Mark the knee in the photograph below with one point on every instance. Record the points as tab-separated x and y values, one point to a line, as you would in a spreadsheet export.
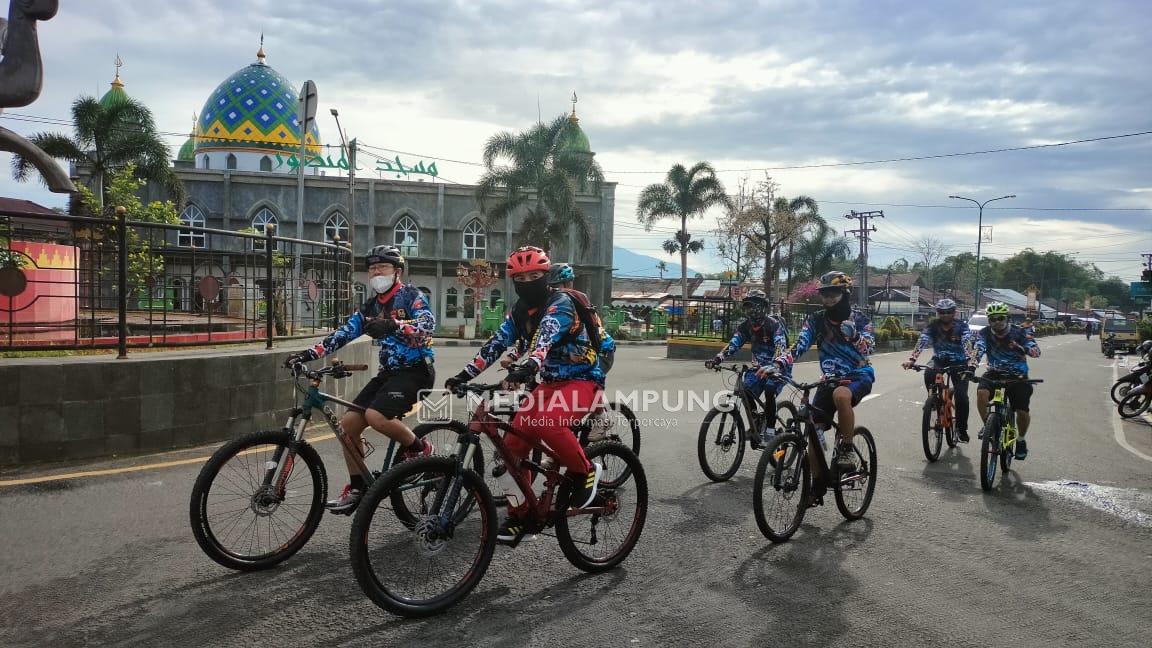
352	423
842	396
376	419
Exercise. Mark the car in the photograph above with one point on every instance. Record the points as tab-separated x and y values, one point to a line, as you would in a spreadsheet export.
978	321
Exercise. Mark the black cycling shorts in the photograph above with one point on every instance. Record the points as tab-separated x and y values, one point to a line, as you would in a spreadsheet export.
394	392
822	401
1019	395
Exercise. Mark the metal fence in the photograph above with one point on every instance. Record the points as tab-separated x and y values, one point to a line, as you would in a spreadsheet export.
71	282
717	317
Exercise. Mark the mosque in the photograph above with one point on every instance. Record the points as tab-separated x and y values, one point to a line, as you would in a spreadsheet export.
239	168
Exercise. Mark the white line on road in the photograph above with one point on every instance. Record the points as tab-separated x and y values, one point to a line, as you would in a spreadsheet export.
870	397
1118	426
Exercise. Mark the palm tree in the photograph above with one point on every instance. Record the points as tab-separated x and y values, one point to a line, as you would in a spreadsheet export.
662	267
542	175
108	136
806	213
685	193
818	252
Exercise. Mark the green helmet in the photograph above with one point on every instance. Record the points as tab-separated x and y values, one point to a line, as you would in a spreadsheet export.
996	308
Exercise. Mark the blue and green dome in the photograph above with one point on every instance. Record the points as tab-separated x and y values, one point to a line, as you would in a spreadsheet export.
254	109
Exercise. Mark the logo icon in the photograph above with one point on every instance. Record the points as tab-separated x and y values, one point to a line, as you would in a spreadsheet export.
435	405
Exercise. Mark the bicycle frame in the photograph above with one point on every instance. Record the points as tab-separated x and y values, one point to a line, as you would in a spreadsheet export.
754	407
1008	432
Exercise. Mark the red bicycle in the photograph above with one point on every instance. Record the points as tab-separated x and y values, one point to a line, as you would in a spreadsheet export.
435	546
939	422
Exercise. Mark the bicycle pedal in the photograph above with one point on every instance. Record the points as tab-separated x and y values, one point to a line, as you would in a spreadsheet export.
816	501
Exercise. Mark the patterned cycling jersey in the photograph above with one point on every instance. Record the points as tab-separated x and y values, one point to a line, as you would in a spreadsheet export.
559	346
410	345
844	346
948	345
768	337
1007	353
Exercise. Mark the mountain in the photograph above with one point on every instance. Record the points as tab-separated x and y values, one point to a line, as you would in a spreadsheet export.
631	264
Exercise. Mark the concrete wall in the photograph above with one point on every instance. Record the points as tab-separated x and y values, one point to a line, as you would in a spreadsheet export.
55	409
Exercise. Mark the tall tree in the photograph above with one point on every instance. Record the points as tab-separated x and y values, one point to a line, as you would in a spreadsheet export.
109	136
931	250
806	213
768	228
819	251
538	171
684	194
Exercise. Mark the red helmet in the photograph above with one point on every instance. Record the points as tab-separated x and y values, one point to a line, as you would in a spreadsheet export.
528	259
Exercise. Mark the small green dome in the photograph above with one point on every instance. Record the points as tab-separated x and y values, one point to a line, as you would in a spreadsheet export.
575	141
115	94
188	151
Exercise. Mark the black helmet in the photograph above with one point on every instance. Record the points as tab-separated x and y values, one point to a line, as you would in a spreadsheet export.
757	297
384	254
836	279
560	273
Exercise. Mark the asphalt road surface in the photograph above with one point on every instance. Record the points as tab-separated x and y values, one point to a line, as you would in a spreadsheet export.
1057	555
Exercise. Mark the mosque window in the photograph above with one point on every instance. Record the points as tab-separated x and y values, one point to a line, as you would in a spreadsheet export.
336	225
265	163
192	218
231	161
260	221
451	305
475	240
206	164
407	236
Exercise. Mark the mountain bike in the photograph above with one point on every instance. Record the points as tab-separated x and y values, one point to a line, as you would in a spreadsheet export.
258	499
720	445
999	435
785	487
939	423
437	543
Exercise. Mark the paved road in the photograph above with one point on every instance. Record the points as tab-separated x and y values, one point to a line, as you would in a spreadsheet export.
109	560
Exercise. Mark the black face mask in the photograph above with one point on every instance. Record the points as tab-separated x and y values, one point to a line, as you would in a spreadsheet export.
534	292
841	310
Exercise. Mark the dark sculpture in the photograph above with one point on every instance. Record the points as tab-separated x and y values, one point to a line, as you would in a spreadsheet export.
21	77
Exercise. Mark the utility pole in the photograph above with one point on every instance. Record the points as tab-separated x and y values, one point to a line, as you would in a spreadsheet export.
862	233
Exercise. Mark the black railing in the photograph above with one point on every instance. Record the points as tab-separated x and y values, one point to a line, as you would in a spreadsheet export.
717	317
65	284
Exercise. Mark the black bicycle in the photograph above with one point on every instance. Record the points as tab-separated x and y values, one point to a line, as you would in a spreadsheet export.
720	445
785	487
259	498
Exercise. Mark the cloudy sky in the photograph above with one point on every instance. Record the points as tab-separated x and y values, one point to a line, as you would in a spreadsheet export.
746	86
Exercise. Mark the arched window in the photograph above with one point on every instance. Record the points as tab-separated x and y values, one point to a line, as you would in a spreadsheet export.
494	297
178	296
469	303
451	307
407	236
260	221
475	240
207	164
336	225
231	161
193	218
265	163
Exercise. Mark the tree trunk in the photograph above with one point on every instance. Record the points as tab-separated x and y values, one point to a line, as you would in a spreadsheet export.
788	289
684	264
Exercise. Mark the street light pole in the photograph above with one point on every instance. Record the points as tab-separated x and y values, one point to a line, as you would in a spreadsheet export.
980	236
350	157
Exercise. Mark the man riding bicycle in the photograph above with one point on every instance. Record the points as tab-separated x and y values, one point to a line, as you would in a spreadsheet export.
561	349
844	337
769	341
950	340
1008	348
400	322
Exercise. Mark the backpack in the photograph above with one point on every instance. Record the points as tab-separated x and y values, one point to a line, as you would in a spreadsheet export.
526	324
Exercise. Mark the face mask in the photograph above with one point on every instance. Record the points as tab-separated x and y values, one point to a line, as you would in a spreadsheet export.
999	326
533	292
381	283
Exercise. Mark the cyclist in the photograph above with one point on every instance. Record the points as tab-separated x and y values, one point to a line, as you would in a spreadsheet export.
950	340
769	340
844	337
1008	348
562	351
399	320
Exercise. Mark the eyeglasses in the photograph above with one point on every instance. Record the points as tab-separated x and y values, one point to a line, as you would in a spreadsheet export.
831	293
997	318
950	311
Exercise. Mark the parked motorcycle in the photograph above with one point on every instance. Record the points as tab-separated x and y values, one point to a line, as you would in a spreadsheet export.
1139	375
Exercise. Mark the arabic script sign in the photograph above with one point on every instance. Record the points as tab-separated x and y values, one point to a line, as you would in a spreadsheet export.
387	166
399	169
312	161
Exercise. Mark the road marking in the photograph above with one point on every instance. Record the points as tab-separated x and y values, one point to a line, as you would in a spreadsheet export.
1114	501
1118	425
870	397
151	466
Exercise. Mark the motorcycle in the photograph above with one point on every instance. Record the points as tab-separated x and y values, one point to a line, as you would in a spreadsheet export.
1139	375
1108	346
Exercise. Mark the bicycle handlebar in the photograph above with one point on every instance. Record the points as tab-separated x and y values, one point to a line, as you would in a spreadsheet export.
338	370
461	389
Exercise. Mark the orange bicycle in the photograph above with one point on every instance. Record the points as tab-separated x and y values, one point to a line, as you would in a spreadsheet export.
939	423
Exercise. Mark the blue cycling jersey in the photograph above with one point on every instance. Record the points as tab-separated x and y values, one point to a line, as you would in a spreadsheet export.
1007	353
948	344
409	345
844	346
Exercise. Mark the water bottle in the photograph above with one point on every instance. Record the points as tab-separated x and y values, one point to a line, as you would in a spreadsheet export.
508	485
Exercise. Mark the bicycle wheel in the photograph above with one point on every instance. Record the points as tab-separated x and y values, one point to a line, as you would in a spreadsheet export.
599	540
950	435
786	415
1121	389
619	425
989	449
1007	454
782	486
854	490
422	570
720	447
445	436
1134	404
930	432
243	524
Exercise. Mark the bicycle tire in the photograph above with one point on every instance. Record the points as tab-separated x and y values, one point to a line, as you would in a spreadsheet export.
931	435
869	467
630	438
203	529
950	435
567	526
795	453
456	428
1007	454
989	448
1134	404
783	422
1120	389
633	426
421	542
724	442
